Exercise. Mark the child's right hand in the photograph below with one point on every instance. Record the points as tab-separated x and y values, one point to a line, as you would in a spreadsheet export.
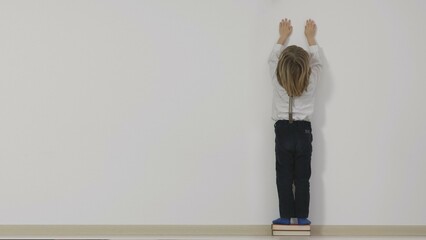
310	30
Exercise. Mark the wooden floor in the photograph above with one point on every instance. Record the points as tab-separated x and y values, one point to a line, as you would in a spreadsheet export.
251	238
292	237
281	237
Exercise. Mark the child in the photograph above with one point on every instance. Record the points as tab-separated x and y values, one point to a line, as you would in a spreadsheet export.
295	73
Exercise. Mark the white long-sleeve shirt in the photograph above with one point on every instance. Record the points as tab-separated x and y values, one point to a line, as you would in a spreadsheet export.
303	106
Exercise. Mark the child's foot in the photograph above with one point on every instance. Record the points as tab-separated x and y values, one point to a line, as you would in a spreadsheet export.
285	221
303	221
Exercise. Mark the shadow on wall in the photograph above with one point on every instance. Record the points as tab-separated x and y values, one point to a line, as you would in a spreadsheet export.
319	155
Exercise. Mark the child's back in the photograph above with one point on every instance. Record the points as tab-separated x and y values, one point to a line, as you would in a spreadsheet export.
303	105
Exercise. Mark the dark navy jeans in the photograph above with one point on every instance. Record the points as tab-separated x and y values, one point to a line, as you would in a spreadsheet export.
293	150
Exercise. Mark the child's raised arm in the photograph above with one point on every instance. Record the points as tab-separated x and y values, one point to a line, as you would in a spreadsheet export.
284	30
314	56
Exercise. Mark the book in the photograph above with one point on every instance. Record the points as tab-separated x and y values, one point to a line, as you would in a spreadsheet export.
291	230
291	233
294	227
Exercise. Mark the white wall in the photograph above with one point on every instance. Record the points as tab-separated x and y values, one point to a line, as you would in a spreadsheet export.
158	112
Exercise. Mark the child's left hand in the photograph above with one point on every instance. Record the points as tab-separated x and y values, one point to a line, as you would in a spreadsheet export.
285	28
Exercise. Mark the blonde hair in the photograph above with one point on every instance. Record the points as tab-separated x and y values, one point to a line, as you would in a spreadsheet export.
293	70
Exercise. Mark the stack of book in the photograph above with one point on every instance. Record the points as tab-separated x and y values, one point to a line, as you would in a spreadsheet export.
291	230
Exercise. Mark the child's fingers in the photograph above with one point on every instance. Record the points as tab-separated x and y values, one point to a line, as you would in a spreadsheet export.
286	24
310	23
285	20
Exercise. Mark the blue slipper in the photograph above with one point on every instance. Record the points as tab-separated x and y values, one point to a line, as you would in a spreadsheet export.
303	221
285	221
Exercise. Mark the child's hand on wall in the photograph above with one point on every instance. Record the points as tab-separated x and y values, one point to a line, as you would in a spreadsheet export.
285	30
310	30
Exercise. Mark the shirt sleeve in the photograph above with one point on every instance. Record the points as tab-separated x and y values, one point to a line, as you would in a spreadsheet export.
316	65
314	58
274	57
